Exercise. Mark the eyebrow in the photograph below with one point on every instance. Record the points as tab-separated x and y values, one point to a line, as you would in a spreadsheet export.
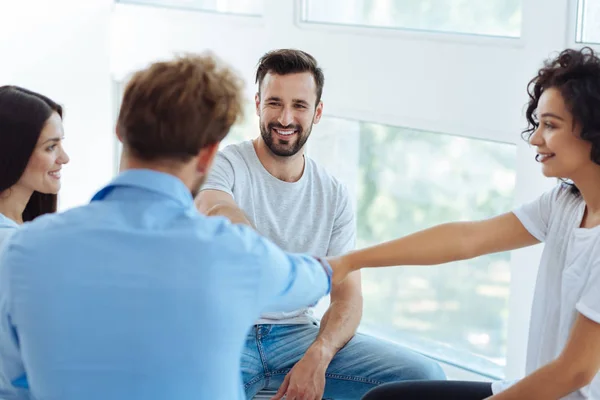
297	101
56	140
551	115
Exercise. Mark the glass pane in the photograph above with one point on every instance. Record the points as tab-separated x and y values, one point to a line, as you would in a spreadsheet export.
489	17
410	180
588	21
246	7
246	129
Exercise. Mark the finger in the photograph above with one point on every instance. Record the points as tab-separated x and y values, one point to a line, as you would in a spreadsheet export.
282	389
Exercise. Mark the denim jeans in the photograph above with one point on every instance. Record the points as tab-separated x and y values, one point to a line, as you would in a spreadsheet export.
364	363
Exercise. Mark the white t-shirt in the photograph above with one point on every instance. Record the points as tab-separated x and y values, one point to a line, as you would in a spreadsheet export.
568	279
313	215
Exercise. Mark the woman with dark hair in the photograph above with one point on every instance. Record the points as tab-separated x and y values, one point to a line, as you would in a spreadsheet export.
563	355
31	156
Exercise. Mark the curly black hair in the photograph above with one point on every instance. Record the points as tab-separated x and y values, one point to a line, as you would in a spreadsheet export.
576	75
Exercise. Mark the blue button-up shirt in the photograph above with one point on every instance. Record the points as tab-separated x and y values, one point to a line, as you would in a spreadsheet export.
138	296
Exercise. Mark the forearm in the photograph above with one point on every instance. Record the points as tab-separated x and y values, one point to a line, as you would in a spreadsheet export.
553	381
338	326
231	212
437	245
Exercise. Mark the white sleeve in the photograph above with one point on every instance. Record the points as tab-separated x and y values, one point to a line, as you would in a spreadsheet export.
589	302
12	371
221	176
536	215
343	237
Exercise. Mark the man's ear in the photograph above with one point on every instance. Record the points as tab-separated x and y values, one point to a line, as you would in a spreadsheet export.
206	157
318	113
118	132
257	103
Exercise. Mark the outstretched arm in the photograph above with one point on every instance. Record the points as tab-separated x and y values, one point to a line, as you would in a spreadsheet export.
440	244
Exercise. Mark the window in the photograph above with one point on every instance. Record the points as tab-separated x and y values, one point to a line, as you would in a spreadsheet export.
246	129
245	7
409	180
588	15
489	17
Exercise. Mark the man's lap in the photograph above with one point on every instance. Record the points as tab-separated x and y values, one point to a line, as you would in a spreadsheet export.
363	363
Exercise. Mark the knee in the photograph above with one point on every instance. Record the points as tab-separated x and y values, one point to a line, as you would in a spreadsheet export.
426	369
419	368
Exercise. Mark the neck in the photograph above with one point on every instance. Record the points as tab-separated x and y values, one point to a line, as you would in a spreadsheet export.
287	169
13	202
588	185
184	171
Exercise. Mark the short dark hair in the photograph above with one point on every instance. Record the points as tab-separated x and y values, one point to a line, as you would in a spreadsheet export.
576	75
23	115
173	109
290	61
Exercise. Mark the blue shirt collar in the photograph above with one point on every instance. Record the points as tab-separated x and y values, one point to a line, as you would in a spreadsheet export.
154	181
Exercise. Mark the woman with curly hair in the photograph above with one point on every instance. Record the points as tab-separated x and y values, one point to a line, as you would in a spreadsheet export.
563	356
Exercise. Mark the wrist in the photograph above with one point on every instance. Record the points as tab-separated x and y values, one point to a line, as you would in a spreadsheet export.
349	260
321	354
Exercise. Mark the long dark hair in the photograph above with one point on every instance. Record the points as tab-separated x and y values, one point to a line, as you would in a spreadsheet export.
23	114
576	74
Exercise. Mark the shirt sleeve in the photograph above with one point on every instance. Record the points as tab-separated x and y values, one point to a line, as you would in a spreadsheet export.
289	280
536	215
221	176
13	381
589	302
343	237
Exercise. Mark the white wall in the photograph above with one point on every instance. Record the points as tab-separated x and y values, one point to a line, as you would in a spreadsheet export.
60	48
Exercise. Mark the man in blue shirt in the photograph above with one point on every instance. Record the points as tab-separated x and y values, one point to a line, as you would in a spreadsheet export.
137	295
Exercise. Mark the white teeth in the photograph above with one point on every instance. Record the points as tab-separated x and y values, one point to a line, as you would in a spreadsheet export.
54	174
284	132
544	157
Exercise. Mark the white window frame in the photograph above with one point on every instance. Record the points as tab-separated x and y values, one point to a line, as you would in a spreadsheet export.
573	16
406	33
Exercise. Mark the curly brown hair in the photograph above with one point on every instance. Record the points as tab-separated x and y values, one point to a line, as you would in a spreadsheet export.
173	109
576	75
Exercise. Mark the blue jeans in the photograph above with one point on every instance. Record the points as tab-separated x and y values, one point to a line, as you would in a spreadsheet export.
364	363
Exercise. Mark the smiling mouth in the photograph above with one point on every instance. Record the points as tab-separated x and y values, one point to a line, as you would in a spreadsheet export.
54	174
543	157
284	132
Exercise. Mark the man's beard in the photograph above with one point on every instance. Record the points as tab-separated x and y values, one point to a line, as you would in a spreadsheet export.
284	150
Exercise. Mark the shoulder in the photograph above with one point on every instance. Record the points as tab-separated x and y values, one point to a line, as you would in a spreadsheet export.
325	178
563	199
237	152
59	224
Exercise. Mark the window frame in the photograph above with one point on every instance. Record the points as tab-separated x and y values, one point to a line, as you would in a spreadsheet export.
404	33
165	4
